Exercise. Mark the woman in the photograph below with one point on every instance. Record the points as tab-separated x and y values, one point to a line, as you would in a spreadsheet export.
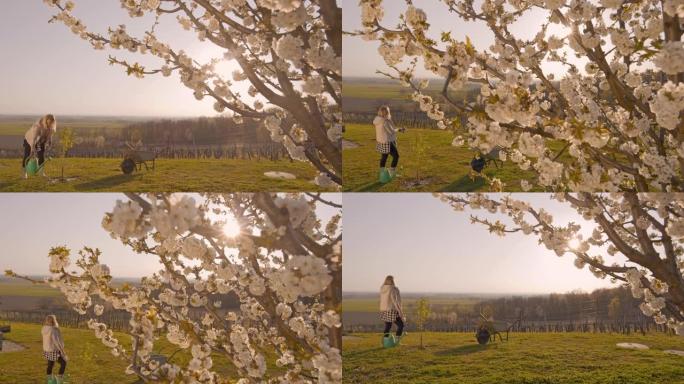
391	310
53	347
386	142
38	140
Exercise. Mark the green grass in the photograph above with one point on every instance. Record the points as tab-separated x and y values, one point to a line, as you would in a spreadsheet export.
170	175
16	287
13	128
527	358
89	361
24	288
446	167
376	91
361	305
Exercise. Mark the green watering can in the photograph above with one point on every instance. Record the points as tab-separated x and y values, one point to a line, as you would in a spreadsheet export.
384	176
32	168
390	341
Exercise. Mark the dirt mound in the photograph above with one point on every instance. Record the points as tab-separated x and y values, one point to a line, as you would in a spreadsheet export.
348	144
280	175
10	346
632	346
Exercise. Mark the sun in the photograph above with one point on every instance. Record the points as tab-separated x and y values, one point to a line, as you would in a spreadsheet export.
231	228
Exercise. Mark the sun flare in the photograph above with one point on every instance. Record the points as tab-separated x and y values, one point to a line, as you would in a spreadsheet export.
231	228
573	243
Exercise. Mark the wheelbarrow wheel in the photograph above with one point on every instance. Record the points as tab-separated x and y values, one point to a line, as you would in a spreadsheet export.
127	166
478	164
482	336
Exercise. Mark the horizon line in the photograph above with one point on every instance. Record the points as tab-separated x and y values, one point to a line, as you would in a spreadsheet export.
112	116
8	278
481	293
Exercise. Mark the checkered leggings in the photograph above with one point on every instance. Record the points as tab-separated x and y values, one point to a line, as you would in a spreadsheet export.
387	149
52	357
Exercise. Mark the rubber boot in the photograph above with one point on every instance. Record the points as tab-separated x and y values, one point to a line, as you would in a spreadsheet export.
60	379
384	176
392	173
397	340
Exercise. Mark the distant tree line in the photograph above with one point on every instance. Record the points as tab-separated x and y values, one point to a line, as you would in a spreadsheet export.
603	310
200	131
602	304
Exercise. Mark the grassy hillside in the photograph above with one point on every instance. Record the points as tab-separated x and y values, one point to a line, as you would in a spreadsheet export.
13	127
172	175
424	154
393	90
528	358
372	304
24	288
375	91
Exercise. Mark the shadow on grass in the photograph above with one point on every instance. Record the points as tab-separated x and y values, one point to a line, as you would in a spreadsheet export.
106	182
464	184
371	187
364	352
463	350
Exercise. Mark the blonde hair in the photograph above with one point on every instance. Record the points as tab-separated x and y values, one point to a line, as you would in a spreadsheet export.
49	122
51	320
389	280
386	110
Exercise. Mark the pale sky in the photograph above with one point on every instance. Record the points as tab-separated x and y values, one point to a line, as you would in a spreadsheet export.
47	69
32	223
361	58
429	247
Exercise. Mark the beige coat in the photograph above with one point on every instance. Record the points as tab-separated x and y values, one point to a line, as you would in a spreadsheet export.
385	132
40	131
390	299
52	340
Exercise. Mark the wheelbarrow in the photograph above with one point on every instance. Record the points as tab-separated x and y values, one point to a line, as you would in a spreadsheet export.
134	159
481	160
489	328
3	329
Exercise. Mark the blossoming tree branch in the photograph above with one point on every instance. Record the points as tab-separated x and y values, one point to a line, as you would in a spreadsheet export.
617	119
289	52
644	229
282	263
